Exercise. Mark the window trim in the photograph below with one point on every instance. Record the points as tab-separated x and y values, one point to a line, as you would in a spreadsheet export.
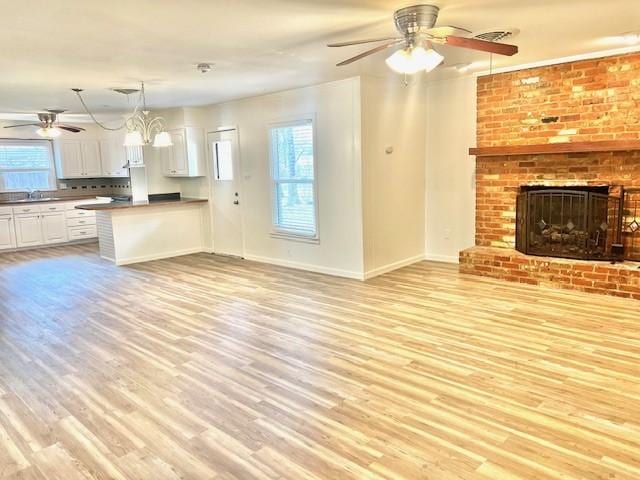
285	233
52	169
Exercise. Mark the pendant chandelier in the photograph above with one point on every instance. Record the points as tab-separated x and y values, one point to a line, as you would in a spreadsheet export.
142	128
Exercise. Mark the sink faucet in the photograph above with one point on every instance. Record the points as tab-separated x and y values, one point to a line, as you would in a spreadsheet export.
33	194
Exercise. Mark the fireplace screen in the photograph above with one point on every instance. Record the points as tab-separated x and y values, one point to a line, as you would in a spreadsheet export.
582	223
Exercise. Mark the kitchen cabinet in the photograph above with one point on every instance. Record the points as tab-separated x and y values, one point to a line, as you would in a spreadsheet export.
54	227
7	233
78	159
28	230
91	161
113	155
37	224
186	157
69	159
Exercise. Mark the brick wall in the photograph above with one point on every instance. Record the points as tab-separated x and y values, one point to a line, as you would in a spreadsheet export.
594	100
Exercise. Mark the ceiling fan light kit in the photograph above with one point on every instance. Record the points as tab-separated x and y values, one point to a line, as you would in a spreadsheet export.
412	60
418	33
48	132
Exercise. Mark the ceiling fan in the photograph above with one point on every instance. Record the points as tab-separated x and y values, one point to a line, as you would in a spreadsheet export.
49	126
418	34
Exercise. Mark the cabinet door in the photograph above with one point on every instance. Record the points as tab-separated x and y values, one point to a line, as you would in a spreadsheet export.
70	160
177	154
54	227
113	156
92	165
28	231
105	158
7	234
180	162
118	159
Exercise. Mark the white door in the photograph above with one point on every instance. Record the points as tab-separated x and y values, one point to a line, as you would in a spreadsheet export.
91	158
28	231
54	227
7	235
226	199
70	159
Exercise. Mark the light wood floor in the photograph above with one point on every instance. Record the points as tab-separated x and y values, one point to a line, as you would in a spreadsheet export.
211	368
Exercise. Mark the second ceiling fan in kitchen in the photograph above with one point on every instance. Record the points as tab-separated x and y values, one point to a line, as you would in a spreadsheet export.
418	34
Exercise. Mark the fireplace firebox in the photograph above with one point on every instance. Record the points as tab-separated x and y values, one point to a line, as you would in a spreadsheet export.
568	222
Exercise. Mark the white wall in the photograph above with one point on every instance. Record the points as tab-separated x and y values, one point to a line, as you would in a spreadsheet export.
393	116
336	106
450	182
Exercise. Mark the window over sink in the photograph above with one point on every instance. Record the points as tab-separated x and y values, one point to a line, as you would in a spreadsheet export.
26	165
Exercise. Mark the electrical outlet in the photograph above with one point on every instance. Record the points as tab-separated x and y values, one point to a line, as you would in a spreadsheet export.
62	186
447	233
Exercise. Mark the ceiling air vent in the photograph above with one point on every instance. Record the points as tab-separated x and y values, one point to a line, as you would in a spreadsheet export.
496	34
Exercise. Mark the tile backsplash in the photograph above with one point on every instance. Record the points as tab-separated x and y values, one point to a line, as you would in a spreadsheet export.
80	188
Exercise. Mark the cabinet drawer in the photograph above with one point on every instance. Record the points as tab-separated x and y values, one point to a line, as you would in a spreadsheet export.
75	213
52	207
81	221
6	211
26	209
77	233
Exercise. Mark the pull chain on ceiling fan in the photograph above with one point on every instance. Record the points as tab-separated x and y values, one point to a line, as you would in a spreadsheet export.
418	34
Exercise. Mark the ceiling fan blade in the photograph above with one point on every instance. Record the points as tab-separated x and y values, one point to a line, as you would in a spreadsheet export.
379	48
359	42
69	128
24	125
482	45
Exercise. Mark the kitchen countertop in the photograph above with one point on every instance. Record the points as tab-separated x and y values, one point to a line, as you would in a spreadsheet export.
131	204
46	200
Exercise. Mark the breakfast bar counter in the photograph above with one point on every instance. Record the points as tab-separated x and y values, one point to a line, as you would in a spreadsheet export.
134	232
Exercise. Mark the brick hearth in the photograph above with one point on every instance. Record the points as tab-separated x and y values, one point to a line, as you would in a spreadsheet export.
621	279
594	100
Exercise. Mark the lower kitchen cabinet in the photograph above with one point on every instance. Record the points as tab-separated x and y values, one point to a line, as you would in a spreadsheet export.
28	230
54	227
33	225
7	231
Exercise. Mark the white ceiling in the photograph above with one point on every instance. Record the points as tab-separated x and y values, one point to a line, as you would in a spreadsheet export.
257	46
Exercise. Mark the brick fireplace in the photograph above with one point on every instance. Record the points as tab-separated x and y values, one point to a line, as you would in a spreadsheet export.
594	102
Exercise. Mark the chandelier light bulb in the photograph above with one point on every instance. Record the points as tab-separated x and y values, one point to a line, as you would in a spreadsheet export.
162	139
133	139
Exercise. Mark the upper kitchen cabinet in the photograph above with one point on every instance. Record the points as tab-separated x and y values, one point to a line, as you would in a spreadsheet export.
186	157
90	158
113	155
91	161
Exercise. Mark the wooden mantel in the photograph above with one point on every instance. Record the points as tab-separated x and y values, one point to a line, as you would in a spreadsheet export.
557	148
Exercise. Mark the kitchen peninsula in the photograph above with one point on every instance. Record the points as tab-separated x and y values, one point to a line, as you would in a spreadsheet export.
162	227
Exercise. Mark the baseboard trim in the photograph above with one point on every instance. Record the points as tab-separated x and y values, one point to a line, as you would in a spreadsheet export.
441	258
158	256
305	266
393	266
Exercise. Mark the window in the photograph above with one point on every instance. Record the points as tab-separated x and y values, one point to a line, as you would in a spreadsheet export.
293	173
223	168
26	165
